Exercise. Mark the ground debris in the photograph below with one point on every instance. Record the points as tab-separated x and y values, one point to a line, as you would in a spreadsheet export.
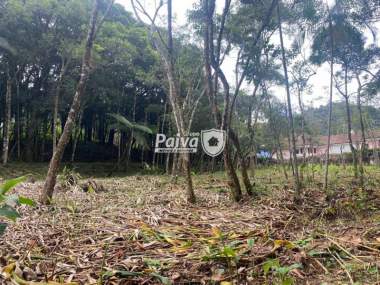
144	232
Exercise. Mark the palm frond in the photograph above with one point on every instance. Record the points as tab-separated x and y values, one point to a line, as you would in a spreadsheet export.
142	128
140	141
4	44
122	120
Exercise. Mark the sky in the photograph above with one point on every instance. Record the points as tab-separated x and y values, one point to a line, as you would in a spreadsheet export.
319	91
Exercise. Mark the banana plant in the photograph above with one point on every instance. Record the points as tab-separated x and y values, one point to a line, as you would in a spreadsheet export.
138	131
9	202
4	44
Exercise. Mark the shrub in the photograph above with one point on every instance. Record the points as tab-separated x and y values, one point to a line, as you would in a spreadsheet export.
9	202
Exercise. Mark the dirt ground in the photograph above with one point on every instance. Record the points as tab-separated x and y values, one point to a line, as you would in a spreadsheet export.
140	230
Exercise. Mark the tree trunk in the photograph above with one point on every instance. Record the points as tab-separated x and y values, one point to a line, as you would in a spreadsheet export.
177	111
300	104
142	159
119	150
155	158
221	121
349	123
130	137
76	137
275	133
290	114
51	177
18	122
187	169
250	127
7	119
167	161
363	144
174	165
243	163
30	132
56	103
325	182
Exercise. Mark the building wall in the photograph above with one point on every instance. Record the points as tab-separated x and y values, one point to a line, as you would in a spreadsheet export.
335	149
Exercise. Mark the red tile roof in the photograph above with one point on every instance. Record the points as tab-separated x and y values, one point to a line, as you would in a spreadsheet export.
337	139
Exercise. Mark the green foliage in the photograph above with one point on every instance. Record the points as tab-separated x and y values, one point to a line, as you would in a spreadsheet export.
281	273
139	132
8	202
69	177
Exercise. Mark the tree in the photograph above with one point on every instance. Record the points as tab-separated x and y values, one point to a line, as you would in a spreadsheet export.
348	46
297	183
7	121
326	174
226	38
183	106
51	177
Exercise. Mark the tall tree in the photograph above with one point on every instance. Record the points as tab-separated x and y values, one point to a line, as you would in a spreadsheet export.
7	120
348	47
327	162
212	57
51	177
183	105
297	183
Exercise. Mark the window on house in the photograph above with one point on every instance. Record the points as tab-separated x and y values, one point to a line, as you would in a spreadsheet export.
315	150
297	151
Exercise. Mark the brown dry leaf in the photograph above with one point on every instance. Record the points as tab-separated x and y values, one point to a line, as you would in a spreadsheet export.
216	232
283	243
7	270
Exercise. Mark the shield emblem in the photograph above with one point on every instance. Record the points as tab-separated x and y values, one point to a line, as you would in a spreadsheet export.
213	141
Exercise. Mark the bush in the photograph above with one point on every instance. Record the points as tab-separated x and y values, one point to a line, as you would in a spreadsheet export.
9	202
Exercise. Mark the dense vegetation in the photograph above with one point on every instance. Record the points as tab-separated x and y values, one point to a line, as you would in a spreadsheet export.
87	85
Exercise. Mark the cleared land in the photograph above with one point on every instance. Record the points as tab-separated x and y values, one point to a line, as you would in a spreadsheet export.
140	230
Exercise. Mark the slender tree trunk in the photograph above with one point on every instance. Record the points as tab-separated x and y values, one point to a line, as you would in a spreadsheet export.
51	177
222	121
142	148
300	104
167	162
174	165
243	163
56	103
250	127
7	118
290	114
363	143
173	96
325	182
228	163
76	137
300	84
161	156
131	134
18	123
30	133
275	133
119	150
349	123
155	159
